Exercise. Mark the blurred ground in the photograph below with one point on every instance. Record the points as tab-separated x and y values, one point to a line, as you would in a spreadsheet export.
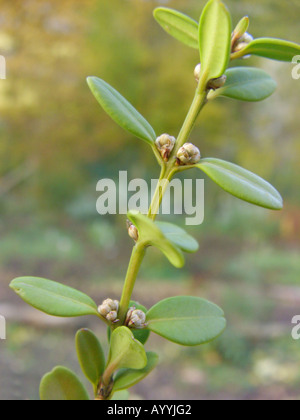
56	143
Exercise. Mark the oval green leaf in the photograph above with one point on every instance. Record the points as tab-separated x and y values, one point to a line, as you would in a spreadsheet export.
246	84
126	378
126	351
186	320
90	356
214	39
120	110
62	385
150	234
272	48
178	237
241	183
181	27
53	298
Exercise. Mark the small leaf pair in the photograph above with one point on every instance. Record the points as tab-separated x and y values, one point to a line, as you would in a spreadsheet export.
63	385
127	357
186	30
212	36
168	238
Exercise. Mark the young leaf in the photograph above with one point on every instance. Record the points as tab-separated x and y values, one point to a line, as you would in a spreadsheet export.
186	320
126	351
214	39
272	48
150	234
241	28
53	298
178	25
62	385
120	110
126	378
241	183
246	84
178	237
90	355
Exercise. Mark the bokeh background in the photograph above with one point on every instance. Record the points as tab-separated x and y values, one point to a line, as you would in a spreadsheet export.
56	143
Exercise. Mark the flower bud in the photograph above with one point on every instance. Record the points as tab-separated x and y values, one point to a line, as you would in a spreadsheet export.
112	316
107	306
247	38
217	83
242	43
136	319
133	232
188	154
165	145
197	72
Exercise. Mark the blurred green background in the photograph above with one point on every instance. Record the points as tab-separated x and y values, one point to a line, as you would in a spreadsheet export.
56	143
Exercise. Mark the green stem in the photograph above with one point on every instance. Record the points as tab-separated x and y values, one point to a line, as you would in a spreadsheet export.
134	265
167	172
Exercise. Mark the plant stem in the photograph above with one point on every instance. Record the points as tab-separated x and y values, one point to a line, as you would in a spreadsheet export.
167	172
132	272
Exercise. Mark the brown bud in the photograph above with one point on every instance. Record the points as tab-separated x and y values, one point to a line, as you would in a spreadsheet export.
217	83
133	232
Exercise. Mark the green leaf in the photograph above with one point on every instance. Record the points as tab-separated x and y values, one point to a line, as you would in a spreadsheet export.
90	355
215	39
126	351
62	385
150	234
178	25
120	110
272	48
53	298
246	84
241	28
126	378
186	320
120	396
241	183
178	237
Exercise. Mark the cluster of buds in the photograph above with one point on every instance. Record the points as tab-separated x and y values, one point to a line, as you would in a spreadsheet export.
135	318
240	37
165	144
188	154
132	231
109	310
